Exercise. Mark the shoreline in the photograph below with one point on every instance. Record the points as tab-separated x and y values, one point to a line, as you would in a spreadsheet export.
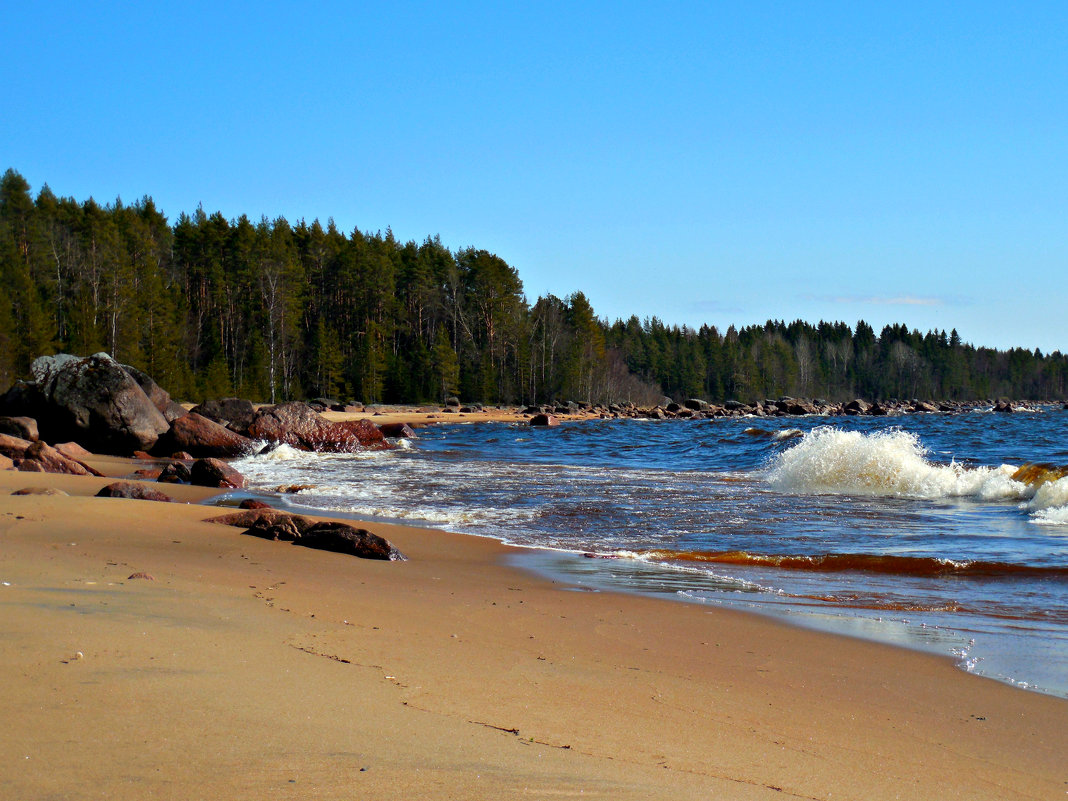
275	669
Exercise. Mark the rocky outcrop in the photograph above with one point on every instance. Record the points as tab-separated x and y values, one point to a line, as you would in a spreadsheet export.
215	473
92	401
130	489
201	437
298	425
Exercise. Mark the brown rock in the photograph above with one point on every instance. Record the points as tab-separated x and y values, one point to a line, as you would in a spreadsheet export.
298	425
72	450
215	473
544	420
253	503
6	463
51	461
13	447
261	518
129	489
175	473
397	430
201	437
343	538
140	455
282	528
147	473
145	576
40	491
21	427
183	456
235	413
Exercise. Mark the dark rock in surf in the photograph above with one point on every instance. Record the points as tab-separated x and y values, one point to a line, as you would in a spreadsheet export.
544	420
397	431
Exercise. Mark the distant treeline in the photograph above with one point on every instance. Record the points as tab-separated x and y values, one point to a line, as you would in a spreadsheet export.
270	311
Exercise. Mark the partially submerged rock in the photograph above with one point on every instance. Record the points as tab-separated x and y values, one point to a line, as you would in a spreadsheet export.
298	425
40	491
544	420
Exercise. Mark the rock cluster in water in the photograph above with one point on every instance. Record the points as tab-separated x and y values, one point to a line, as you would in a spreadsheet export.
93	404
695	408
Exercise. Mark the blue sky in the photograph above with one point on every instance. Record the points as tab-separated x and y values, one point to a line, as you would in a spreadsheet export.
713	162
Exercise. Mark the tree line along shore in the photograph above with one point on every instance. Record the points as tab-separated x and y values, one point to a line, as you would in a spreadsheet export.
274	311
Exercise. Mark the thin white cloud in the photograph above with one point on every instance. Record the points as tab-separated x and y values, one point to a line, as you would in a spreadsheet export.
891	300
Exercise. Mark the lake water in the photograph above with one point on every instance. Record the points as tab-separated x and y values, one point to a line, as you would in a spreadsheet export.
907	529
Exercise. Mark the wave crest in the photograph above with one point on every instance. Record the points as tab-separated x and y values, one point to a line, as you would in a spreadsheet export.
885	463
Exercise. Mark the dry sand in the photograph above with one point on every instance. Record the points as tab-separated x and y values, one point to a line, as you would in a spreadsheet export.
254	669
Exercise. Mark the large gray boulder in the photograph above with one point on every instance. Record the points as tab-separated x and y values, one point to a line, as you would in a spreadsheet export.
96	403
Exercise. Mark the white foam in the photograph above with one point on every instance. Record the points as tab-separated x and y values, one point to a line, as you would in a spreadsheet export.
885	463
1049	507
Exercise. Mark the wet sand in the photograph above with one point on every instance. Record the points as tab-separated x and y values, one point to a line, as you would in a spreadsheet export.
253	669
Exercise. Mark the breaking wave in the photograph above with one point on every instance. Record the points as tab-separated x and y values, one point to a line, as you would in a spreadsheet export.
895	463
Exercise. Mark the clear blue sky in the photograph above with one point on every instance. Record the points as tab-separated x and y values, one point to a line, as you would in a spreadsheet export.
705	162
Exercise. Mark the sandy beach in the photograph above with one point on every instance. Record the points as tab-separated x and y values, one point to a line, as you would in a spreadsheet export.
252	669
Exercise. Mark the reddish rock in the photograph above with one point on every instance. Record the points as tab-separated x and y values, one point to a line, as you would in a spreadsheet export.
175	473
182	456
282	528
21	427
201	437
354	435
129	489
215	473
50	461
253	503
252	518
544	420
147	473
72	450
13	447
40	491
6	463
141	455
298	425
